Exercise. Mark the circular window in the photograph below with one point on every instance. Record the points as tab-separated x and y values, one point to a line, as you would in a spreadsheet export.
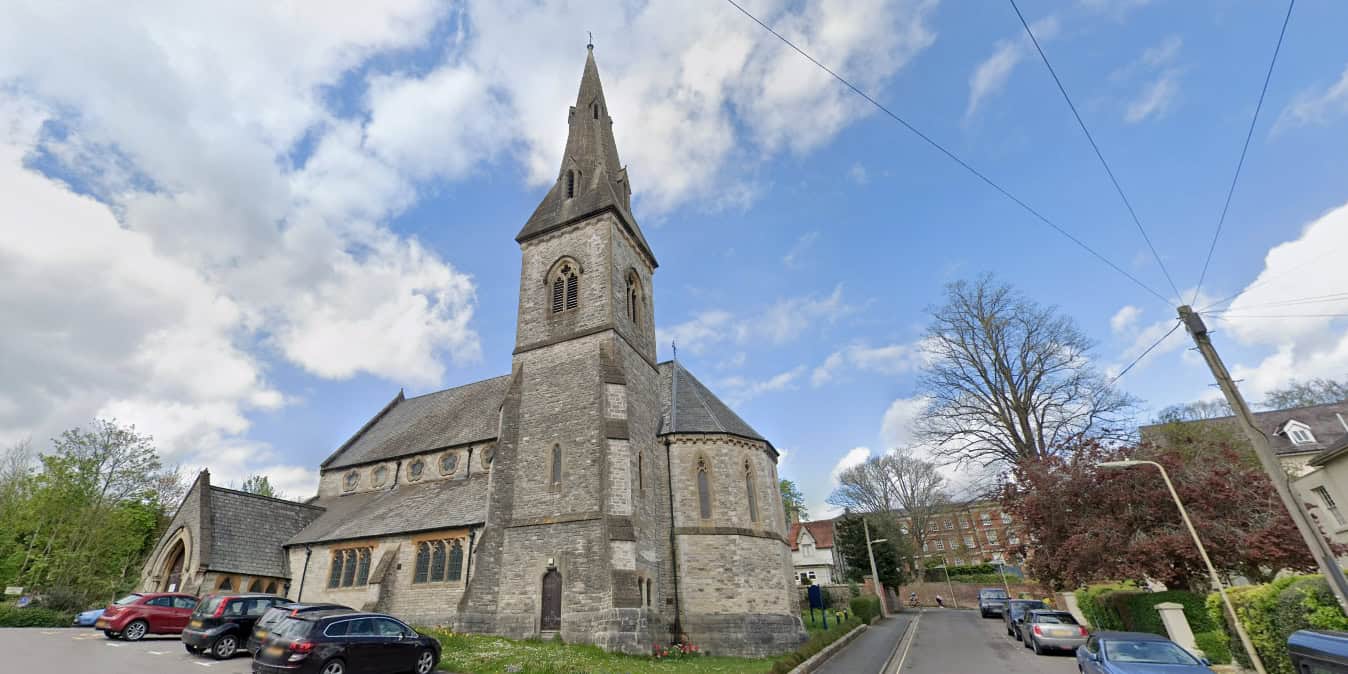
449	463
380	476
351	480
415	470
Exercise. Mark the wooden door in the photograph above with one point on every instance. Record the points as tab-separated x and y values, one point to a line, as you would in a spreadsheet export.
552	602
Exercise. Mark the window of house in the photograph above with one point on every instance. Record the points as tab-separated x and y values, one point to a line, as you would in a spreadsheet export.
416	469
903	529
964	523
1301	436
449	463
226	584
380	476
968	540
650	592
565	288
986	519
351	480
350	567
1006	518
749	491
924	547
1013	538
959	562
703	489
940	544
1329	504
256	586
992	536
949	525
439	561
556	472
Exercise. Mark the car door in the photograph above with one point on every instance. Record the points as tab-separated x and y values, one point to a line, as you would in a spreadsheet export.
361	647
395	650
1086	657
181	612
158	614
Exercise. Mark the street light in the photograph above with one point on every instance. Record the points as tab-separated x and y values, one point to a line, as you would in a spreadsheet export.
875	575
1202	551
949	584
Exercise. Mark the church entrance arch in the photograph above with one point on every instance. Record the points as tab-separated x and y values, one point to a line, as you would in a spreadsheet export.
173	569
551	619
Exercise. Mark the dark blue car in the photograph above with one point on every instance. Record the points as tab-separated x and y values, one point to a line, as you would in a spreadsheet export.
1318	651
1136	653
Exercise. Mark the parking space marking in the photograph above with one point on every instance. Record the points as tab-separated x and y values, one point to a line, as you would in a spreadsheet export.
113	645
206	664
157	652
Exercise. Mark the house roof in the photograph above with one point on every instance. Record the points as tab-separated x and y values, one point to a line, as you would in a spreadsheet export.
454	416
688	406
423	506
821	531
1326	423
247	531
592	153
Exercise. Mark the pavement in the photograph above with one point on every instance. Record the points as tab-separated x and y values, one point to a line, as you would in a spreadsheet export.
84	649
868	653
952	641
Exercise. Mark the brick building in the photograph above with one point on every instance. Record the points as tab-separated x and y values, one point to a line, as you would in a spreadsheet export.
590	492
971	533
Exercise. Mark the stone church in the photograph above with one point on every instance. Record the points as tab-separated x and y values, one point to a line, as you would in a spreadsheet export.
592	492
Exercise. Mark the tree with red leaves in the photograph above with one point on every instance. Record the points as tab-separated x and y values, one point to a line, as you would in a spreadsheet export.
1092	524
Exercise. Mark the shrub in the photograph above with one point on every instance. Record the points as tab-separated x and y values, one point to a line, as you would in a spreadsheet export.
973	570
818	641
865	608
1214	646
1271	613
34	616
66	600
1136	611
853	589
1100	615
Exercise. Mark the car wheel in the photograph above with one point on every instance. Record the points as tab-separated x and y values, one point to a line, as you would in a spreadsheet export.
334	667
425	662
1038	650
110	634
224	647
136	630
1026	640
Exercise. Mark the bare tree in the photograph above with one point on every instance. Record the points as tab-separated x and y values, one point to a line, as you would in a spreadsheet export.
898	483
1318	391
1010	380
1198	410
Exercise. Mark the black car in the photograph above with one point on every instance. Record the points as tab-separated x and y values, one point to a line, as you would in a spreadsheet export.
341	642
992	601
221	623
279	611
1015	615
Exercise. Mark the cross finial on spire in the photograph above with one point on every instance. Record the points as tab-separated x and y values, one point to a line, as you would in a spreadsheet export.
674	345
590	44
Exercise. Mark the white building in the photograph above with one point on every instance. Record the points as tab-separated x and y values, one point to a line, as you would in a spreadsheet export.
813	558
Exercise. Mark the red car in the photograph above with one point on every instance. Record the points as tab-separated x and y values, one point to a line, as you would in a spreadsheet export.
136	615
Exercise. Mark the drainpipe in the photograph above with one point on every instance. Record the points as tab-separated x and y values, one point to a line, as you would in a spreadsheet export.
308	551
673	544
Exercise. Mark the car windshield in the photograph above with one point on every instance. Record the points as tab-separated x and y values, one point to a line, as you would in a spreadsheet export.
208	605
292	628
994	594
272	615
1149	652
1018	608
128	599
1054	618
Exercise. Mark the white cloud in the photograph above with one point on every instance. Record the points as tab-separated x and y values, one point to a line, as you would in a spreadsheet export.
890	359
896	428
1125	319
1154	99
858	174
854	457
1314	107
793	257
1163	53
740	389
776	324
991	75
1159	77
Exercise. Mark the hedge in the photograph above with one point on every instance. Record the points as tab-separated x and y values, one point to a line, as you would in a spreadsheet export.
1214	646
34	616
865	608
1272	612
817	642
1099	616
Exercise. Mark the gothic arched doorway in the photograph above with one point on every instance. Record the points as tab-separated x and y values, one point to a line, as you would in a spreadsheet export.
173	570
551	619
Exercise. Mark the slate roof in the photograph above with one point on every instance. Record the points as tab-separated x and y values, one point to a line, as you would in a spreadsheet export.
821	531
424	506
591	150
698	409
447	418
247	531
1323	420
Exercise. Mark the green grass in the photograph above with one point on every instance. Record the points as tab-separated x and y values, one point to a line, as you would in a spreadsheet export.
481	654
818	625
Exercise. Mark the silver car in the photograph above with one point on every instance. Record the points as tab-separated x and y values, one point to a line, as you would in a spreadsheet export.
1052	631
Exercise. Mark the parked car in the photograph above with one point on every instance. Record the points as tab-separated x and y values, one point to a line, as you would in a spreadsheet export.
88	618
1318	651
222	622
136	615
1014	614
1050	630
992	601
280	611
1136	653
342	642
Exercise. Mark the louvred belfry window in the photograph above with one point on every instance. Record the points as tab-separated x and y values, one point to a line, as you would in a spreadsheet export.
565	289
572	291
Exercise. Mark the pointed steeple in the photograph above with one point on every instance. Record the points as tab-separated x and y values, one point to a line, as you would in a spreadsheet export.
591	178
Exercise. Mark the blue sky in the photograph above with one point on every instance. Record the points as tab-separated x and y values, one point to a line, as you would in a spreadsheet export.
244	231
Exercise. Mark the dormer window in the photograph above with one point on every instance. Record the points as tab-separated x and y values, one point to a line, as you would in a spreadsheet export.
1299	433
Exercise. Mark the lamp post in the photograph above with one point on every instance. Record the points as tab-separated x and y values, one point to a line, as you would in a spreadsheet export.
949	585
1203	552
875	575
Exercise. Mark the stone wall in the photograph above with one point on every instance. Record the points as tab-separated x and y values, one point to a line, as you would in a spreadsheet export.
587	244
469	462
186	527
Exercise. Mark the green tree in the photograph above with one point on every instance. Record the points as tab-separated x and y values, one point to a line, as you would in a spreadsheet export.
793	502
850	537
260	485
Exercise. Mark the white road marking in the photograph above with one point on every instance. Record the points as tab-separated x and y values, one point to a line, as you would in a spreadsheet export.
205	664
156	652
113	645
912	636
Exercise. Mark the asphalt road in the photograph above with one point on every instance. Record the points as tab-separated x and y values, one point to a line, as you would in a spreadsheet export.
84	649
948	641
868	653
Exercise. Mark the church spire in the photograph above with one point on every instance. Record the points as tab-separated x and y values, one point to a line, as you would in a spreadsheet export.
591	178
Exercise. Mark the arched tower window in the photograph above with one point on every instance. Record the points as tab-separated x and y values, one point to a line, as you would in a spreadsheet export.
749	489
570	184
595	109
565	285
641	470
703	489
633	296
556	473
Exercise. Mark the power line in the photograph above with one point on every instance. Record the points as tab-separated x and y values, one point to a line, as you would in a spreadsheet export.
1317	299
1275	277
1099	155
978	174
1245	148
1144	354
1229	315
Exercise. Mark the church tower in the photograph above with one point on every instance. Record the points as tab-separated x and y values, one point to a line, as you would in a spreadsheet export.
577	539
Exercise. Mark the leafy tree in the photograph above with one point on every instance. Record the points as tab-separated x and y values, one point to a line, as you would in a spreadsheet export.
260	485
1092	524
793	502
1317	391
850	538
1010	381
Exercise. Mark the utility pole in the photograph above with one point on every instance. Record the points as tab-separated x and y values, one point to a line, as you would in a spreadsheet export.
875	576
1309	532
